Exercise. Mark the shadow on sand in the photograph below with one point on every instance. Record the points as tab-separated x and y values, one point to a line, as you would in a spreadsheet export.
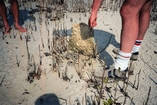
47	99
23	16
103	39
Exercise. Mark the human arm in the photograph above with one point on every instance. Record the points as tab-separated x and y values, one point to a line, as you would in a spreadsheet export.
95	7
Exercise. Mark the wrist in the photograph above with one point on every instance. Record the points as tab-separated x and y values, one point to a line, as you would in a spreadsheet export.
94	13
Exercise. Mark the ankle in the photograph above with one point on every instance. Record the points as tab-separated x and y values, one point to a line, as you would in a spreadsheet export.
137	46
16	24
122	61
6	25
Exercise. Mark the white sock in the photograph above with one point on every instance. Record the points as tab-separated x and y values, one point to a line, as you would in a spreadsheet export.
137	45
122	61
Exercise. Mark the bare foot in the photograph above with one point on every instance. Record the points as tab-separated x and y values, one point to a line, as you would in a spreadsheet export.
19	28
7	30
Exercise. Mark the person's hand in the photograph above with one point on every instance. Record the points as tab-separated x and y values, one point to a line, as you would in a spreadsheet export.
92	20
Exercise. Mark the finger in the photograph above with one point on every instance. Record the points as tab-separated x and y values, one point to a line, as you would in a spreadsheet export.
94	23
90	23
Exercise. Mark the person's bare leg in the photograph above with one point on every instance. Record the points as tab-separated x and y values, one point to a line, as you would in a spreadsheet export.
4	17
130	23
15	11
130	11
144	19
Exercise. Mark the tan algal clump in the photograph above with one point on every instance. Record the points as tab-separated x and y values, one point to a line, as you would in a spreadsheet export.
82	40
